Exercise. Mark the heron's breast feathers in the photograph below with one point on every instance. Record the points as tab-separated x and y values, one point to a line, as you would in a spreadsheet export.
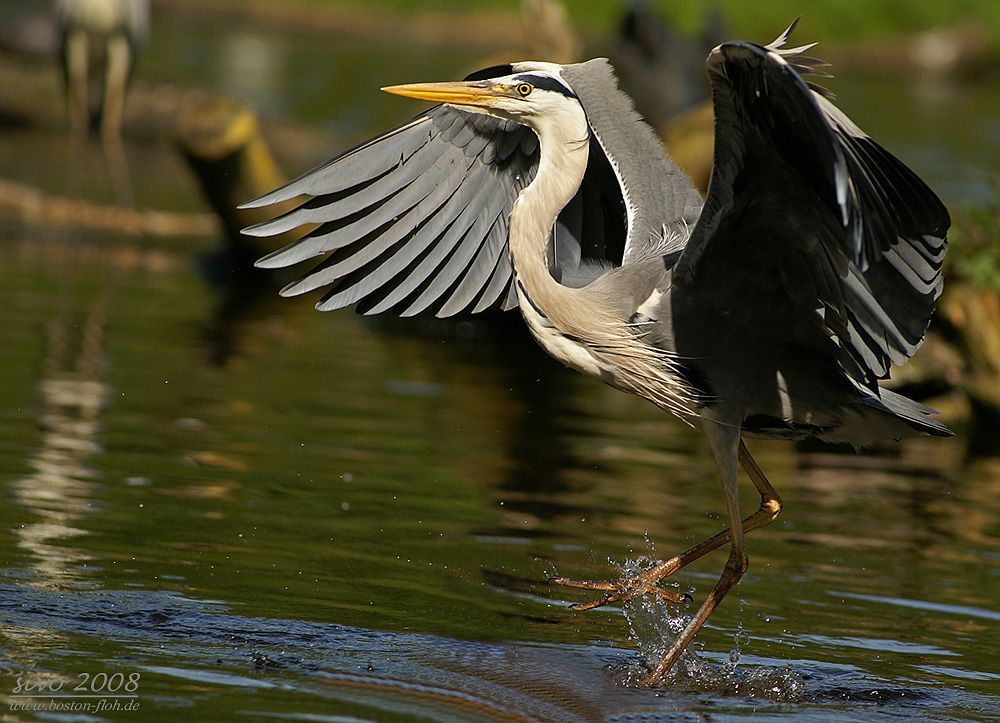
612	350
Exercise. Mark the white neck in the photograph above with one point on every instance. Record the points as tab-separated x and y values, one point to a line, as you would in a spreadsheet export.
564	147
579	329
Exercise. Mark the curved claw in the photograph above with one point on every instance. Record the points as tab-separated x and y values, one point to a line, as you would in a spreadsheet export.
580	607
675	598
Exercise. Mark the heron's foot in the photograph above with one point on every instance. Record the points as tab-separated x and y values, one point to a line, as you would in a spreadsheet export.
630	588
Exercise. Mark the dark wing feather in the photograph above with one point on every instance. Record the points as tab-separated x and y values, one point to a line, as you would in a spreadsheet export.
804	203
414	219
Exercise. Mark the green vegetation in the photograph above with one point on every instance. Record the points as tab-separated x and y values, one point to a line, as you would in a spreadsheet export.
974	252
845	20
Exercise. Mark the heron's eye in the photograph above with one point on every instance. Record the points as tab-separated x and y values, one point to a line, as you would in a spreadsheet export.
523	89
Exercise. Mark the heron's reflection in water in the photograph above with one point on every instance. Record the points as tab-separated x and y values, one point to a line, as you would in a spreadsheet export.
73	394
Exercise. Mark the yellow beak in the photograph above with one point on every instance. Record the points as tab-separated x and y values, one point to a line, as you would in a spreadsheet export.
455	93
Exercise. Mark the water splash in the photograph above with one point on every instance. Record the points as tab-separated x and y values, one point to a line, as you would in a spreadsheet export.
654	624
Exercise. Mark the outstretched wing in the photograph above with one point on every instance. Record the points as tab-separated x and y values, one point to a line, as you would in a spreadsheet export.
417	218
634	184
414	219
802	200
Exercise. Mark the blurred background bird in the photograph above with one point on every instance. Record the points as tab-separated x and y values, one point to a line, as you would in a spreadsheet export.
99	43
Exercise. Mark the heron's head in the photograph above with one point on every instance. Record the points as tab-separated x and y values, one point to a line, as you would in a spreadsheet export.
527	93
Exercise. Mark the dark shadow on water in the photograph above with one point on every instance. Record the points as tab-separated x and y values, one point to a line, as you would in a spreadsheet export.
244	294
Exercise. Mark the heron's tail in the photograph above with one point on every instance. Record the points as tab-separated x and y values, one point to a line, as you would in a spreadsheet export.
914	414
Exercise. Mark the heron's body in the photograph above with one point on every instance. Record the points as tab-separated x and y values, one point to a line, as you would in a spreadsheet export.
103	17
772	308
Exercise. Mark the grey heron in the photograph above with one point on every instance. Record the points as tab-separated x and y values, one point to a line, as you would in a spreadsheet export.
770	309
100	39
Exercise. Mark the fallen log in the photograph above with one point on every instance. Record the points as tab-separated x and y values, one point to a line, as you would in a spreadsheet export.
27	204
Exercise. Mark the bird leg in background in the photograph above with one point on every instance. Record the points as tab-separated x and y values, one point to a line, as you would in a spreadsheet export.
646	582
77	49
119	60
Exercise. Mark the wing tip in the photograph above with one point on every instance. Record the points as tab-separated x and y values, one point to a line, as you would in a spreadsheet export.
272	227
269	262
780	41
258	230
283	193
258	202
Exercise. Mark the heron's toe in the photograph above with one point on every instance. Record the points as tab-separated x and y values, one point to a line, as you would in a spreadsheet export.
622	590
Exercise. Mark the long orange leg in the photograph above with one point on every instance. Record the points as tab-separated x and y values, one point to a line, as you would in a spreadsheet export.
723	441
646	582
